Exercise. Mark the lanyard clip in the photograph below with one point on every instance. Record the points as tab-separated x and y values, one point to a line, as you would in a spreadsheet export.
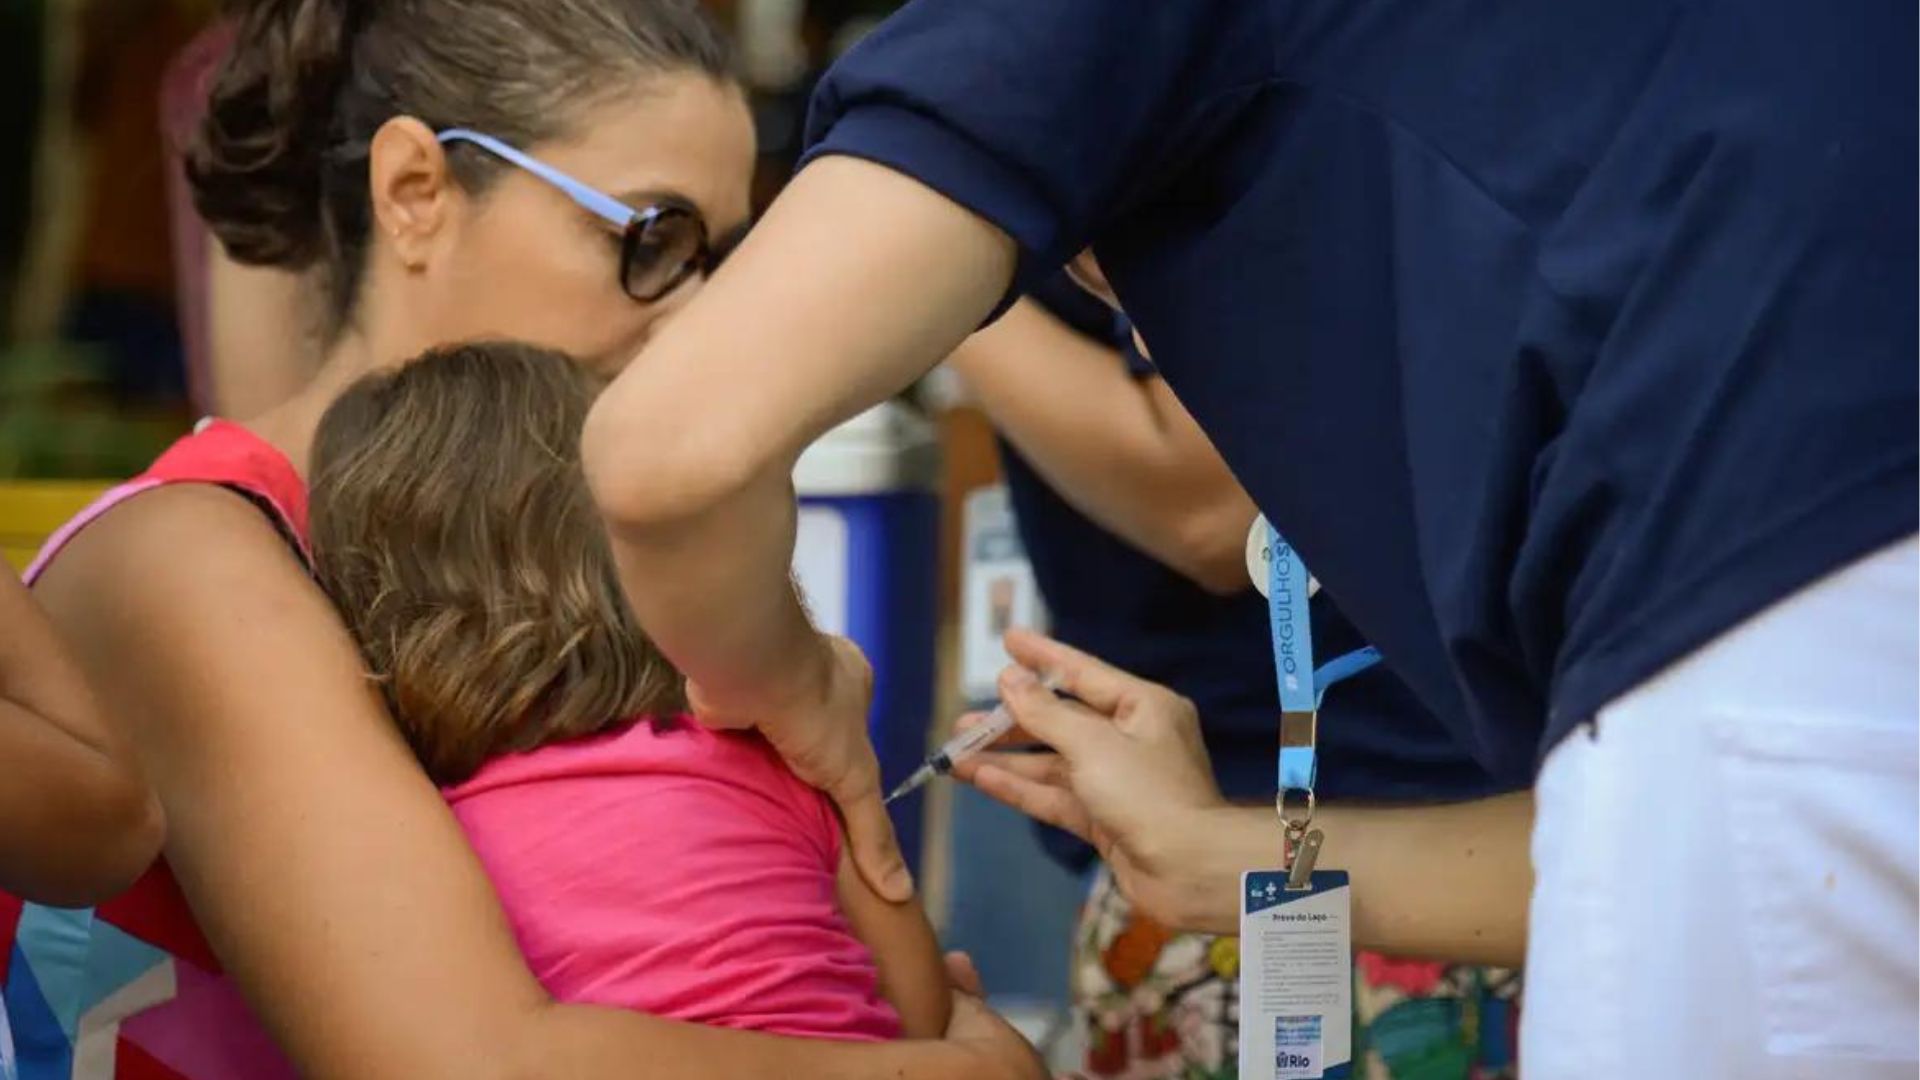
1301	845
1295	807
1303	854
1299	730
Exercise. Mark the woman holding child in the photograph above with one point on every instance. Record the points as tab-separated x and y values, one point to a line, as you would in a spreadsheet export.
314	877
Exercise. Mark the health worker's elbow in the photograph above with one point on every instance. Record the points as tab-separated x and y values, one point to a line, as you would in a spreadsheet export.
645	475
1210	550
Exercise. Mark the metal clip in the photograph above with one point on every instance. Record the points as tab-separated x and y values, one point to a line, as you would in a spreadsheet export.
1294	818
1301	847
1294	847
1305	854
1299	730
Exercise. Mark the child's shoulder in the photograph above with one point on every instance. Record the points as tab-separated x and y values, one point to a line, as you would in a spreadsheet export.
642	744
739	765
747	760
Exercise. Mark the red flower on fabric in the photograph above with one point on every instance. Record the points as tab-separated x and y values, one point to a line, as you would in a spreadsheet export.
1158	1037
1417	978
1107	1051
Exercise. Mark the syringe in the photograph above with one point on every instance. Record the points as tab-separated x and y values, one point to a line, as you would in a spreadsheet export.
962	746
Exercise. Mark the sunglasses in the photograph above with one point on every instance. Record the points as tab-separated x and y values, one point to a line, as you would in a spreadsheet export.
661	246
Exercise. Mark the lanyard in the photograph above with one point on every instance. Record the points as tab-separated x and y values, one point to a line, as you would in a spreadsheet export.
1302	687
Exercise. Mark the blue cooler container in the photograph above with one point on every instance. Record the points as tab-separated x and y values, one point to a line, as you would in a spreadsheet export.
866	554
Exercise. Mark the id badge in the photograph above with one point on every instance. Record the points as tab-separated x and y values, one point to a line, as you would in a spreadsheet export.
1296	977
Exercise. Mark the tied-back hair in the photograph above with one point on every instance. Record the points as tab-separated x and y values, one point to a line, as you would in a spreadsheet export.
278	168
452	526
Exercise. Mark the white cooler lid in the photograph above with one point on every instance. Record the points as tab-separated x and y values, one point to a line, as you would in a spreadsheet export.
890	447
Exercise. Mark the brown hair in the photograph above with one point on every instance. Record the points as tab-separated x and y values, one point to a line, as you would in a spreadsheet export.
279	165
453	528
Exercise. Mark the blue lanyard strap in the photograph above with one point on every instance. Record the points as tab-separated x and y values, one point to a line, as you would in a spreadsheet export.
1302	685
1342	667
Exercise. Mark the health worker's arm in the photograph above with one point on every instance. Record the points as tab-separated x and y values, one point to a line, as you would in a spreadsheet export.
1118	447
1130	775
952	129
858	281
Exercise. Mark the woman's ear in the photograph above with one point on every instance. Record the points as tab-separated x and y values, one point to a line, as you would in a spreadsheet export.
411	189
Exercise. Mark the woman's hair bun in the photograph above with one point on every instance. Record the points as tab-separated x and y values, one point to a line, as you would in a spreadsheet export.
255	164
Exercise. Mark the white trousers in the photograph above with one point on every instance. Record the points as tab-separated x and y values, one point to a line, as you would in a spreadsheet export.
1725	867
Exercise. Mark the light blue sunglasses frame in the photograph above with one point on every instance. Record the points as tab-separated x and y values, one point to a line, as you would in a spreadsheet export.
631	223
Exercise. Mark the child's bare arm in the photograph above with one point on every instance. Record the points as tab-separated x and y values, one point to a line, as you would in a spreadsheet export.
912	973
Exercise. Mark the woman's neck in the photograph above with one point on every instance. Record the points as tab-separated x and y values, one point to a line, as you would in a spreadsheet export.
290	426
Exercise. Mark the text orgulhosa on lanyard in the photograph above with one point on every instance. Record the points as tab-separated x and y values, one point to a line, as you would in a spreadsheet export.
1302	688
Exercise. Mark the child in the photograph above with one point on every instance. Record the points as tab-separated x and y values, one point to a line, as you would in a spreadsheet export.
77	822
643	860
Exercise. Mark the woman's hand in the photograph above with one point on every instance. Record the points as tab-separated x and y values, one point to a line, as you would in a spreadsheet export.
820	730
1129	773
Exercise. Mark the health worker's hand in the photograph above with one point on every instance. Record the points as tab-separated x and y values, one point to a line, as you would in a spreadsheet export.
1129	773
820	728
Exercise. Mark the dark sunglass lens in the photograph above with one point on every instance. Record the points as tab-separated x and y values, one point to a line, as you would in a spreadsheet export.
660	253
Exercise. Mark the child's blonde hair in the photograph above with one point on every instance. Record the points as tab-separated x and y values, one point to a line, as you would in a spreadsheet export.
453	528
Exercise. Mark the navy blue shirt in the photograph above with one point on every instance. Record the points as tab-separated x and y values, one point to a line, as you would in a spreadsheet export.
1559	338
1124	606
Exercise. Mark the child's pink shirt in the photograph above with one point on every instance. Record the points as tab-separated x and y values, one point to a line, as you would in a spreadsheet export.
680	872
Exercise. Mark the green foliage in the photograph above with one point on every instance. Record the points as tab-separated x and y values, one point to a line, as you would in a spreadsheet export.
59	420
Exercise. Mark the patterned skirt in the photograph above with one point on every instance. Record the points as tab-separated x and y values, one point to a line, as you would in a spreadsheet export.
1155	1004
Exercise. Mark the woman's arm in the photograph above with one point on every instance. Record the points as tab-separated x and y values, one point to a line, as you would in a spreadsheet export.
323	866
913	976
858	281
77	822
1450	881
1121	449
